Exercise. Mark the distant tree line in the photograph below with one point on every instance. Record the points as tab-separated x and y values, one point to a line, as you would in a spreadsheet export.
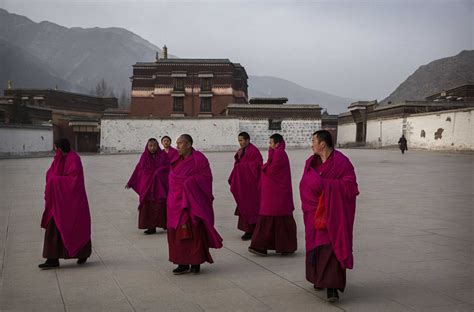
102	89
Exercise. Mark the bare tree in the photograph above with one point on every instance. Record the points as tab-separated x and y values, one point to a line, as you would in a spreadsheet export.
103	89
124	100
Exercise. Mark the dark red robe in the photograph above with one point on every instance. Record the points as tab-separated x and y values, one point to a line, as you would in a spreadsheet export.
66	216
150	181
330	186
276	227
244	180
191	230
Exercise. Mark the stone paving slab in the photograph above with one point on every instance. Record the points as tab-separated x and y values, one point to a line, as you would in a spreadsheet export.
413	244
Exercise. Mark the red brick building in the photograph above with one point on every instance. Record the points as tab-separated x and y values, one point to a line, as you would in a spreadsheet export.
187	87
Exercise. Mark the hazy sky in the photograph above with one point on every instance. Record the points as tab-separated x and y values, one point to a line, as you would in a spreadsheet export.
358	49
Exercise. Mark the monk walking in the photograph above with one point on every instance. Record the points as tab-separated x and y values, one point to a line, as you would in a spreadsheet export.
402	144
169	150
66	216
328	191
244	180
150	181
191	229
276	227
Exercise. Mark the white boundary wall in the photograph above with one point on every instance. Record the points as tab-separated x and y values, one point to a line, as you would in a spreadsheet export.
452	130
297	133
384	132
209	134
444	130
21	140
131	135
346	133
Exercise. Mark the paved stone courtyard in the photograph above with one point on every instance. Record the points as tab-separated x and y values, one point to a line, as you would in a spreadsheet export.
413	244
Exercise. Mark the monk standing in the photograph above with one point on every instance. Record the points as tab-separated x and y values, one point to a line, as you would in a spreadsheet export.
66	216
150	181
244	180
191	229
276	227
169	150
328	191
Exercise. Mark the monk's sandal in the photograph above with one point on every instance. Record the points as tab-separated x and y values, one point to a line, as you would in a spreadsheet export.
181	269
49	264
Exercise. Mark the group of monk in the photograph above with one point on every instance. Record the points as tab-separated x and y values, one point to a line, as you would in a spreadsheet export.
174	186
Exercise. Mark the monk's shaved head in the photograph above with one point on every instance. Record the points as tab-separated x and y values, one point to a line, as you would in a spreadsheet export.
165	138
184	145
324	136
244	135
187	137
244	139
277	138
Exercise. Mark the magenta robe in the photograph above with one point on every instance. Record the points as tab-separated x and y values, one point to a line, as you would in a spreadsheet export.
190	189
172	153
244	180
275	184
337	179
66	201
150	177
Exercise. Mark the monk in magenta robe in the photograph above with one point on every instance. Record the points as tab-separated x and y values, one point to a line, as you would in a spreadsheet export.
191	229
150	181
66	215
244	180
276	227
328	191
169	150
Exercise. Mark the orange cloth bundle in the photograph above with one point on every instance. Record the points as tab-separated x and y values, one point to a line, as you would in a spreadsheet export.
320	215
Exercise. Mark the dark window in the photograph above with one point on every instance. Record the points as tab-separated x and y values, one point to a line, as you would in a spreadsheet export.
39	102
178	104
178	84
274	124
206	105
206	84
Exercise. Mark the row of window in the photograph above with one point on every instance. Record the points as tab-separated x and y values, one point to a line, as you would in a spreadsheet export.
34	102
206	104
206	84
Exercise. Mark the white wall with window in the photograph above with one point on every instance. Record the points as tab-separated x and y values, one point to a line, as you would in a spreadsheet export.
209	134
442	130
296	132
